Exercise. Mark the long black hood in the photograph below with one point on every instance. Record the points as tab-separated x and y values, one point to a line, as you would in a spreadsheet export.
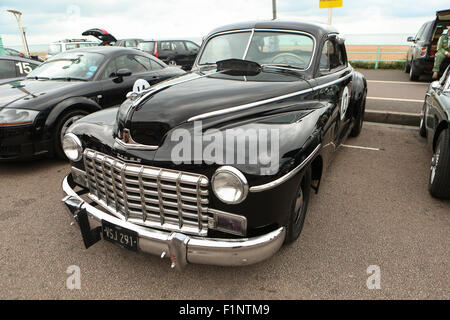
29	94
179	100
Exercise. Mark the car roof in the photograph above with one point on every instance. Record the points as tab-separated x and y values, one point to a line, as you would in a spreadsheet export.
16	58
316	29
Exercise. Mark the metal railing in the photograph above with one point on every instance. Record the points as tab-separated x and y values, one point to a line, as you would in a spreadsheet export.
376	56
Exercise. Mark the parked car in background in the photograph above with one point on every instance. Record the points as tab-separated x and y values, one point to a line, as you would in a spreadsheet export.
16	53
291	79
435	126
68	44
172	52
36	112
108	39
14	68
420	56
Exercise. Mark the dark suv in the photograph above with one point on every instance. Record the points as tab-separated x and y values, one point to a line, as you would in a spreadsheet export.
420	56
172	52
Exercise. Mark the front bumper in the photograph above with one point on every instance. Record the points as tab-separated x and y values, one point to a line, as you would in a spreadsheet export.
22	143
180	248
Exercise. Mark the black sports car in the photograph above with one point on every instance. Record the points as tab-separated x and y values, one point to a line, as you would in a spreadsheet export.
435	126
217	166
36	112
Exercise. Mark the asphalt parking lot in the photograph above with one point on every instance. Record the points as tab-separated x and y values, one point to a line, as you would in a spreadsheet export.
391	90
373	209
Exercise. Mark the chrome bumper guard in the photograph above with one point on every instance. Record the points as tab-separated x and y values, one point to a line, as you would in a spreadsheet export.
180	248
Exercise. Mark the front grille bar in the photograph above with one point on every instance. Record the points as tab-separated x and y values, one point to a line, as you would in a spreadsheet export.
155	197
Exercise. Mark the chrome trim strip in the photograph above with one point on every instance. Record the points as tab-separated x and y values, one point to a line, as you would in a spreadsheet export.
221	252
248	44
133	145
261	102
287	176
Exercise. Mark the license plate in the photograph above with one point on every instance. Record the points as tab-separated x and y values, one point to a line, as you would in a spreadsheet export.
121	236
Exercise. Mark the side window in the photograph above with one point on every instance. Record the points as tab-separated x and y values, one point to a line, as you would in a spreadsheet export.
325	58
165	45
7	69
70	46
110	69
336	54
130	62
144	61
178	46
420	32
191	46
130	43
155	65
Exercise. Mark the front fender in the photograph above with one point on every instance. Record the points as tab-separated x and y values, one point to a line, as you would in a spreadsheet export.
81	102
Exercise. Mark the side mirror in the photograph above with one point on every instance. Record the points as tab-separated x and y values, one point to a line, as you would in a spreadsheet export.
123	73
435	85
410	39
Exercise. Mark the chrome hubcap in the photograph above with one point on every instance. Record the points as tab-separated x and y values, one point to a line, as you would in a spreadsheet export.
298	204
434	163
172	63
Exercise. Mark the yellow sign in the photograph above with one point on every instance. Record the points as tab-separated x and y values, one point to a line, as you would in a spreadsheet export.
323	4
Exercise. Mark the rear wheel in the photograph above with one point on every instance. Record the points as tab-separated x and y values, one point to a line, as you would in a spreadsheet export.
439	182
172	63
358	121
64	122
413	74
299	207
407	67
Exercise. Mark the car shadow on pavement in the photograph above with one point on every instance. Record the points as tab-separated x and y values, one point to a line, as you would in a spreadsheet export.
24	167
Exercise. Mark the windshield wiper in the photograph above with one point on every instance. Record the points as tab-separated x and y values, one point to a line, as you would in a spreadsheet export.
68	78
284	68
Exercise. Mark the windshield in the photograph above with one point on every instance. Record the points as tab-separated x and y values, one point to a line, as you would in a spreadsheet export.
265	47
147	46
69	64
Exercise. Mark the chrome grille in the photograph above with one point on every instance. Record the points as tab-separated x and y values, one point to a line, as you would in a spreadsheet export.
149	196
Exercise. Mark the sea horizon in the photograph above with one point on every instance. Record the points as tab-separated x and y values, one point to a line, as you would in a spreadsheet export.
350	39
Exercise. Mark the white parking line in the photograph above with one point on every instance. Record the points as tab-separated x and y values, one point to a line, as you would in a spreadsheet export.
395	99
399	82
359	147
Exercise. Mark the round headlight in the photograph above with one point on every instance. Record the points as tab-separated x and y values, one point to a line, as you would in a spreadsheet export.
229	185
72	147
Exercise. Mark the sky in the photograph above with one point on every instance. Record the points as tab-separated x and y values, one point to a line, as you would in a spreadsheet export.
51	20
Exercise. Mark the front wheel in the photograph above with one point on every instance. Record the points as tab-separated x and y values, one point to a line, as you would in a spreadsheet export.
439	182
299	207
64	122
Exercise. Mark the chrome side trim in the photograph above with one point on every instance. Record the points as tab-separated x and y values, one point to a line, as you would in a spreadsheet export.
287	176
247	106
261	102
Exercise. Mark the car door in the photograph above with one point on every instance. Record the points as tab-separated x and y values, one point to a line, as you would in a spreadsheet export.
334	89
115	88
436	101
180	52
165	52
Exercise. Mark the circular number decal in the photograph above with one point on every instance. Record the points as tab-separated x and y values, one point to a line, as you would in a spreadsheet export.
344	102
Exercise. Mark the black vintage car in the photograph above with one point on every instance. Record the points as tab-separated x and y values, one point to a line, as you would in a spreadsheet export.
183	170
435	126
36	112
